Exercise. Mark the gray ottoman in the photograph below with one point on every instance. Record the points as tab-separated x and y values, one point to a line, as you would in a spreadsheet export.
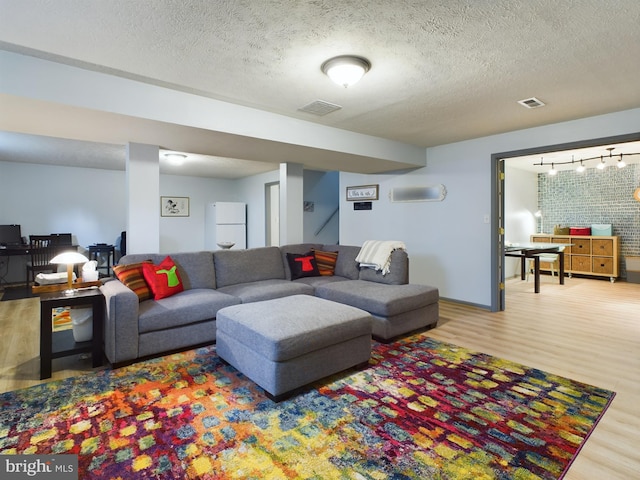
286	343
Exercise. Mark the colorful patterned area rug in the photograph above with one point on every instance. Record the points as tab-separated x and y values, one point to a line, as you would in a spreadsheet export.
422	409
61	319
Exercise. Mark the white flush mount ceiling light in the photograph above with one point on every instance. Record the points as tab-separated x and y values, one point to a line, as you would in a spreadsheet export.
176	159
346	70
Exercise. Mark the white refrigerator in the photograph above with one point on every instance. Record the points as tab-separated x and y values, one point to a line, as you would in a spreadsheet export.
226	224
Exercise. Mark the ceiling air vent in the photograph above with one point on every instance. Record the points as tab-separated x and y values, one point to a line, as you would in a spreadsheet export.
532	102
320	108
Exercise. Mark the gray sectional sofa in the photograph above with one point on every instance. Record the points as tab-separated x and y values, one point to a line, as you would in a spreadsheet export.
214	280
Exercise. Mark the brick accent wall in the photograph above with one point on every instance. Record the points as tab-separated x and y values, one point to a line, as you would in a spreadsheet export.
596	196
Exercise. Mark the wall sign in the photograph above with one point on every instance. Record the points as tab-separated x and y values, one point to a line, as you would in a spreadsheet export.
362	206
362	192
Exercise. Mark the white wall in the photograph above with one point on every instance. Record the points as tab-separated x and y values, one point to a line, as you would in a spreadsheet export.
252	191
143	191
186	234
31	77
321	188
520	203
89	203
448	243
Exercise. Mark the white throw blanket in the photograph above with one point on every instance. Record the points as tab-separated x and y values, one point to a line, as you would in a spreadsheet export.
377	254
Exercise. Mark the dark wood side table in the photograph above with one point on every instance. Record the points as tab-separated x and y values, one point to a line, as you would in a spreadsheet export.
61	344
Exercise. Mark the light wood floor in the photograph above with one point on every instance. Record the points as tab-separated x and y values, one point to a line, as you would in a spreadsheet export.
587	330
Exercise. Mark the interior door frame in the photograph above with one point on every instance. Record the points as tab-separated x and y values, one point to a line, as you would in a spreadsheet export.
498	302
272	214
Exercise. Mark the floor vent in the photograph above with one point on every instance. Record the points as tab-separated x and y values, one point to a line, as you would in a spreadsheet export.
532	102
320	108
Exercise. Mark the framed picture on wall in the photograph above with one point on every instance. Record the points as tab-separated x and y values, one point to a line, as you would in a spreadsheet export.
174	206
362	192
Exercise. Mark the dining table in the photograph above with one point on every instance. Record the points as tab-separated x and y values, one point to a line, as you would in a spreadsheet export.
532	250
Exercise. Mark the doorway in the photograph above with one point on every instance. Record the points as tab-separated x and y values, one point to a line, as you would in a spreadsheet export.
272	214
498	205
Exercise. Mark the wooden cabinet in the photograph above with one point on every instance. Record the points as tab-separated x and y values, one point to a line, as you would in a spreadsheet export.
597	256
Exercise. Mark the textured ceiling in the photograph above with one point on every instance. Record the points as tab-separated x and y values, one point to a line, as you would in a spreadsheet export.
442	71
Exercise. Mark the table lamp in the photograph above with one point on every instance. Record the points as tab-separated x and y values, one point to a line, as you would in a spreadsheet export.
69	259
538	214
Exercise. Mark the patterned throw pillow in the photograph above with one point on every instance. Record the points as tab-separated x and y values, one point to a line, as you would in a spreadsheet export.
164	279
326	261
302	265
131	276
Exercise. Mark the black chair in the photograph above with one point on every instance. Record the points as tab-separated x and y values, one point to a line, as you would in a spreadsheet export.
123	244
41	249
61	239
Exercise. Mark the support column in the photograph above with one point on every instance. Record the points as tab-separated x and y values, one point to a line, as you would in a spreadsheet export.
143	202
291	211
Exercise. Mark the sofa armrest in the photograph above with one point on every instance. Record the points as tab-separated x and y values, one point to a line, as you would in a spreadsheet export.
398	274
120	323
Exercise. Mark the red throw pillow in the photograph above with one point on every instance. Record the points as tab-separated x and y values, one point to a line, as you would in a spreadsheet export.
164	279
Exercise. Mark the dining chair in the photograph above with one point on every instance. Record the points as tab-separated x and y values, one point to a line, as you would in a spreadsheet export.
552	258
61	238
42	249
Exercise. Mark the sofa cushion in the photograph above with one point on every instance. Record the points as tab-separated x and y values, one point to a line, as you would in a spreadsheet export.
266	290
195	268
184	308
302	265
346	265
234	267
132	277
398	270
321	280
379	299
141	257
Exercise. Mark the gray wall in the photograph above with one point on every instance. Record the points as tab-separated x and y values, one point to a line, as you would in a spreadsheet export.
449	243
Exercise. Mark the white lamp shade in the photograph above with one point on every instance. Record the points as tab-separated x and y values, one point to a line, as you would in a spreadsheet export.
346	70
176	158
345	75
69	258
